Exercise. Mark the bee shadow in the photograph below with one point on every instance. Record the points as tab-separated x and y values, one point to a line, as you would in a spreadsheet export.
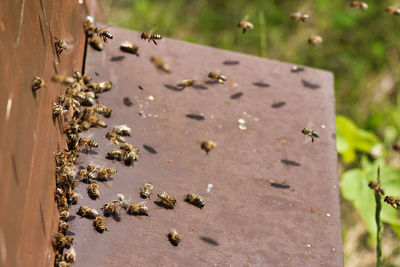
200	87
172	87
310	85
91	152
212	82
116	217
278	104
70	233
117	58
261	84
71	218
236	96
127	101
209	240
195	117
150	149
288	162
162	204
231	62
280	185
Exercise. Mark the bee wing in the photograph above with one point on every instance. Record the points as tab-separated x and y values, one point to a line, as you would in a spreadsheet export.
246	17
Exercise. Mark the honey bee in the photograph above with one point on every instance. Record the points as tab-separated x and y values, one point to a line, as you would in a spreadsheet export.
298	16
85	211
61	241
58	110
208	145
100	87
85	176
60	45
147	190
311	133
104	174
167	200
160	64
359	5
215	76
87	143
37	83
377	188
392	201
185	83
110	208
64	215
123	130
102	109
103	34
63	227
99	224
174	237
115	138
93	191
297	69
129	47
73	199
70	255
150	37
58	78
92	167
393	10
245	25
196	200
96	43
131	157
64	264
315	40
116	154
129	148
96	121
138	209
88	26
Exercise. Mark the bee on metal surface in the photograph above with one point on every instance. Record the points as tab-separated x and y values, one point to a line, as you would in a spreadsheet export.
298	16
60	45
59	78
377	188
37	83
70	255
63	227
147	190
160	64
131	157
167	200
150	37
87	143
245	25
64	215
110	208
92	167
103	34
58	110
99	224
100	87
85	211
174	237
129	148
129	47
64	264
185	83
216	76
392	201
61	241
103	109
73	199
208	145
89	26
115	138
138	209
96	43
116	154
393	10
96	121
311	133
123	130
359	5
104	174
196	200
85	176
93	191
315	40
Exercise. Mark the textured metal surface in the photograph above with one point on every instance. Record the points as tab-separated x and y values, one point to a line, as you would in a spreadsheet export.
274	199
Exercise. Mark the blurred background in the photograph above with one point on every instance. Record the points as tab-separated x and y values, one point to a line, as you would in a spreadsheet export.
361	48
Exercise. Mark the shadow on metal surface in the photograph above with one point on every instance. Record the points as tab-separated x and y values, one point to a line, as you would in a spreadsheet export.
209	240
278	104
288	162
150	149
261	84
236	96
310	85
195	117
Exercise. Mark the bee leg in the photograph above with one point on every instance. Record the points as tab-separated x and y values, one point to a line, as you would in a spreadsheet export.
154	41
312	139
244	30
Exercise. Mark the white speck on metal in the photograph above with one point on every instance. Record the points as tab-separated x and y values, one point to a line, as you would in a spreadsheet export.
209	186
8	111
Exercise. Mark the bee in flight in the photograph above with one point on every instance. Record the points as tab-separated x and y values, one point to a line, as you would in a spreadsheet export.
150	37
216	76
315	40
393	10
298	16
311	133
185	83
96	43
103	34
245	25
160	64
392	201
129	47
359	5
60	45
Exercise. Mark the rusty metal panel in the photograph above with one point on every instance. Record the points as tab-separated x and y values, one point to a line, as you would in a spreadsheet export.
272	196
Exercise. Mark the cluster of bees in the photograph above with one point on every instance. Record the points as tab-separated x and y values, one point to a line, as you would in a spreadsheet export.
393	201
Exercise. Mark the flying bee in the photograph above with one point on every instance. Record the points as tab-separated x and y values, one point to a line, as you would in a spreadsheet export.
138	209
208	145
37	83
123	130
96	43
311	133
99	224
392	201
245	25
160	64
93	191
393	10
116	154
87	212
115	138
103	109
60	45
377	188
167	200
110	209
315	40
63	227
147	190
298	16
104	174
88	26
70	255
103	34
58	110
185	83
174	237
359	5
150	37
129	47
216	76
196	200
59	78
61	241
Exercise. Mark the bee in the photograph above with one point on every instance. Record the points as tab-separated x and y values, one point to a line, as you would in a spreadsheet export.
87	143
63	227
96	43
37	83
123	130
58	78
61	241
359	5
129	47
196	200
311	133
185	83
85	211
138	209
131	157
315	40
298	16
208	145
104	174
167	200
58	110
99	224
60	45
64	264
393	10
70	255
115	138
64	215
215	76
150	37
110	208
392	201
92	167
88	26
147	190
73	199
297	69
245	25
100	87
102	109
174	237
129	148
160	64
93	191
377	188
96	121
103	34
116	154
85	176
